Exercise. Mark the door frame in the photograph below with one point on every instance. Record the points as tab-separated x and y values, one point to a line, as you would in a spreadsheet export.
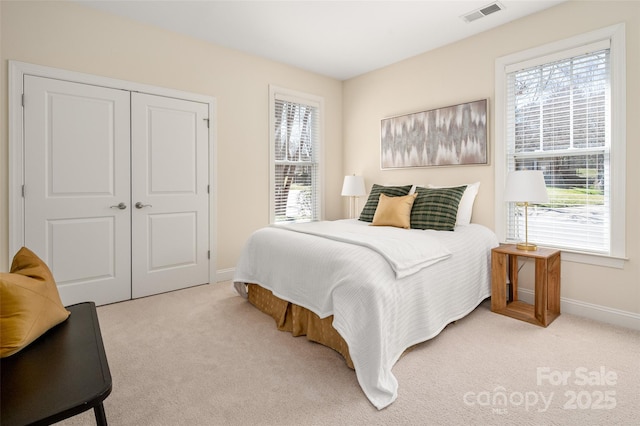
17	71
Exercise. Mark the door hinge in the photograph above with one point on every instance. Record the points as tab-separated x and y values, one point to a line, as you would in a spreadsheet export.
22	191
207	120
22	100
208	189
208	254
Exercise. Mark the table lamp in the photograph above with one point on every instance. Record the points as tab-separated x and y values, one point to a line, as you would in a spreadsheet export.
353	186
526	187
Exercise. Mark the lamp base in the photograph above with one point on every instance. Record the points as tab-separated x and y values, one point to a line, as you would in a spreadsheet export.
527	246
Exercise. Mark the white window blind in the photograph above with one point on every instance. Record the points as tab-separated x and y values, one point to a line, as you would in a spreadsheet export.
296	159
558	121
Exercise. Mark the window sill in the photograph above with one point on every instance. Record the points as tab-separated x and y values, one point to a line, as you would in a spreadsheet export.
587	258
594	259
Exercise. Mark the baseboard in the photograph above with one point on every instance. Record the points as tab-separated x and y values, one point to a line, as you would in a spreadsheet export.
589	310
225	274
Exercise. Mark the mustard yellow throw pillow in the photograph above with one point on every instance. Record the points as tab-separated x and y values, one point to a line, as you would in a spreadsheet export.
29	302
394	211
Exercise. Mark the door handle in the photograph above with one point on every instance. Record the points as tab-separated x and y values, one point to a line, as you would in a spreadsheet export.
120	206
139	205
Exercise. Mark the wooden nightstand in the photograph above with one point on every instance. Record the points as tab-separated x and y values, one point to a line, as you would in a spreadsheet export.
504	259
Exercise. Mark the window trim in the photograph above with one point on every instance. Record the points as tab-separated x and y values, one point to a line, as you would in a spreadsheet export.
298	97
616	35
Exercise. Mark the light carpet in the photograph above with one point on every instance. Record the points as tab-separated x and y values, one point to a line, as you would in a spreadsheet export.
205	356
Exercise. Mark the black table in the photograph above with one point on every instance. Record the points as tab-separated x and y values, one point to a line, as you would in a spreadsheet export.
63	373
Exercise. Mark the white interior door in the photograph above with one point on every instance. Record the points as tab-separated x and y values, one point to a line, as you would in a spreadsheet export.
76	173
170	200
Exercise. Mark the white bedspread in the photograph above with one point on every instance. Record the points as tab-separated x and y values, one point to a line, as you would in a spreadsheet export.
406	252
376	313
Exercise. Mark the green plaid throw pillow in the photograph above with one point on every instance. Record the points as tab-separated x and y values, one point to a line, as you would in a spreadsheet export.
436	208
370	207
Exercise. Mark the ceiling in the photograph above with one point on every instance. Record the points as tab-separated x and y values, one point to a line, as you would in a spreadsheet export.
339	39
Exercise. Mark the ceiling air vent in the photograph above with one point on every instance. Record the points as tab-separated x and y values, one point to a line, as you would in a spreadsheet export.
481	13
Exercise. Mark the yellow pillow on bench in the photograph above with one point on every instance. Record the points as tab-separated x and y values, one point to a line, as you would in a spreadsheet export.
29	302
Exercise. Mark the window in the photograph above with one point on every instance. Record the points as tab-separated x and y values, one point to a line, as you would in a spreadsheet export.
561	114
296	148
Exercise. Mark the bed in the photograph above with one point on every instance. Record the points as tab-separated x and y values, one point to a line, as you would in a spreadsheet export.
369	292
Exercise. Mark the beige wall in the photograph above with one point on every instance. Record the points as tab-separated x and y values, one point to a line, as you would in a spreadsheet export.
464	72
72	37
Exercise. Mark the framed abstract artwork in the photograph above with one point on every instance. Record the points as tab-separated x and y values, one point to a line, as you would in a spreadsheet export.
453	135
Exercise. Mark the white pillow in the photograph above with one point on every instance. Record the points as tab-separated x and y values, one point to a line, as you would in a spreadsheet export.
465	208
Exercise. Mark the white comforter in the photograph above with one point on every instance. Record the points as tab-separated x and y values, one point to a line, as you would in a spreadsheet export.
406	252
378	314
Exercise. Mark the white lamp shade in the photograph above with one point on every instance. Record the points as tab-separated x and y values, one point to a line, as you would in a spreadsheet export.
353	186
526	186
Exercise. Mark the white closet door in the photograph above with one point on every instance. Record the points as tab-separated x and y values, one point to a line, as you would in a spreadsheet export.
170	211
76	173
